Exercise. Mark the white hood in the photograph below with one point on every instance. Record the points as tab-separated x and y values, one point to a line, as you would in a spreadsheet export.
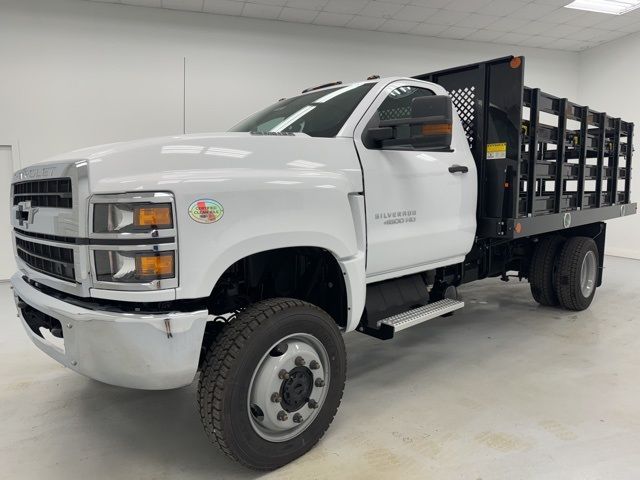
163	162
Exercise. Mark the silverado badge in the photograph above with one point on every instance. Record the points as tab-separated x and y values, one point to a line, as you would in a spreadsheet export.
206	210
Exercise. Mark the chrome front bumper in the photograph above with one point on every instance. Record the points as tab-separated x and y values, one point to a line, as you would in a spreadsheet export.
135	350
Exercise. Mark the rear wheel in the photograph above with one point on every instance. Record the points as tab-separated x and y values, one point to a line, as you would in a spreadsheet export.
542	270
272	383
577	275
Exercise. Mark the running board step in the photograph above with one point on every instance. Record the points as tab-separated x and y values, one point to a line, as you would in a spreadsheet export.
410	318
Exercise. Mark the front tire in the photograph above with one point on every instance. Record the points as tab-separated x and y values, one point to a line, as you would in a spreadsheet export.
577	274
272	382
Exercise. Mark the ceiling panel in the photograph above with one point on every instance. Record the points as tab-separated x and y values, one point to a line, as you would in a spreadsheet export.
299	15
365	23
223	7
260	10
537	23
143	3
414	13
466	5
190	5
397	26
332	19
345	6
477	21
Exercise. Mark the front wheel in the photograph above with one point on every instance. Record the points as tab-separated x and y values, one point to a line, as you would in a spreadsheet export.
272	382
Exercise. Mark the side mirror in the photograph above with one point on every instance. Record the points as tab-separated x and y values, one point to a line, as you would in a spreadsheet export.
429	127
431	122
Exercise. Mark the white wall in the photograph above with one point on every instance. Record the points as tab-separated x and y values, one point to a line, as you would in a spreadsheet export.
72	76
78	73
6	247
608	81
280	59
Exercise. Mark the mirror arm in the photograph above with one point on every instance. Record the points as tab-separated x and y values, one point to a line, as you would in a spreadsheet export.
377	136
414	121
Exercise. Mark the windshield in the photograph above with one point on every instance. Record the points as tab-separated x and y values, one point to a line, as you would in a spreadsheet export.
318	114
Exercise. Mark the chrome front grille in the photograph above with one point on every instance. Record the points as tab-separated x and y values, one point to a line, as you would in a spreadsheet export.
47	218
54	192
51	260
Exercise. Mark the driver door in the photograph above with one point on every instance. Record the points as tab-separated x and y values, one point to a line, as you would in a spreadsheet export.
420	204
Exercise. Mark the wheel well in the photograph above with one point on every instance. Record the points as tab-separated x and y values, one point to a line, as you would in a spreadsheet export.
310	274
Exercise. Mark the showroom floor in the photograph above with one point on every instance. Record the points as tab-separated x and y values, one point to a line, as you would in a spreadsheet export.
502	390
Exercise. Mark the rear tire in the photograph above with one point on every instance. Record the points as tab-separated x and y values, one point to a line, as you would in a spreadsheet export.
272	382
577	274
542	270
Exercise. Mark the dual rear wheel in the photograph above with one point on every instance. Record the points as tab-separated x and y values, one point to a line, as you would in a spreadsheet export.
564	272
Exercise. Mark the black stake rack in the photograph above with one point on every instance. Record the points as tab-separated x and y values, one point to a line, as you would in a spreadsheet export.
563	164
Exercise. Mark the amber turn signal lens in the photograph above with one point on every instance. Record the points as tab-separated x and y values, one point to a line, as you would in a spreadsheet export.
153	216
155	266
437	129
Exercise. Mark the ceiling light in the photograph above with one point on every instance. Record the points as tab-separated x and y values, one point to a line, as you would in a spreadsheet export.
612	7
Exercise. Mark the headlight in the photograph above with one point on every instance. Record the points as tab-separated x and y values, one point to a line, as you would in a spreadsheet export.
131	217
134	267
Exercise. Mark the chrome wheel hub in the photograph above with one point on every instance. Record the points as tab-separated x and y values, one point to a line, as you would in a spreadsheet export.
288	387
588	273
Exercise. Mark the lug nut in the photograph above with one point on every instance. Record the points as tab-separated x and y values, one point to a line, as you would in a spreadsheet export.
319	382
276	397
282	416
312	403
283	374
314	365
300	362
297	418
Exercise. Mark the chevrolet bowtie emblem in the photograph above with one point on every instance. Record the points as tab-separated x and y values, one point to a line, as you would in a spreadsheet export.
25	213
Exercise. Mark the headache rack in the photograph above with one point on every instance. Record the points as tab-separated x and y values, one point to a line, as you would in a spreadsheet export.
544	163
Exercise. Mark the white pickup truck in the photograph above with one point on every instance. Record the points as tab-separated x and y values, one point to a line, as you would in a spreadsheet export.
245	256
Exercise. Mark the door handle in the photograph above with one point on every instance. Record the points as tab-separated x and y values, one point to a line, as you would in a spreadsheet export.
458	169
